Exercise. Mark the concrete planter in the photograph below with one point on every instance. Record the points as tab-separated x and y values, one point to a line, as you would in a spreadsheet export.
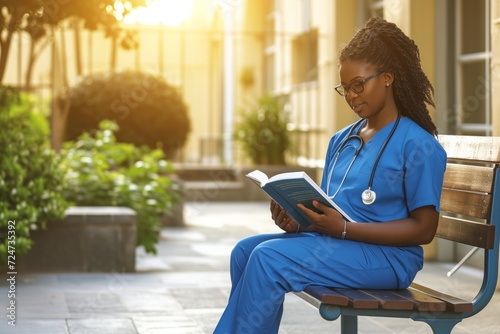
176	217
88	239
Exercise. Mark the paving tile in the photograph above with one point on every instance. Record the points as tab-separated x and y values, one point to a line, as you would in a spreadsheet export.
195	279
151	263
90	281
101	326
94	302
148	301
206	318
38	326
41	303
201	298
178	323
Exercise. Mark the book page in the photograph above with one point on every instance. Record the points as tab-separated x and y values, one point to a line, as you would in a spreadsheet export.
258	177
287	176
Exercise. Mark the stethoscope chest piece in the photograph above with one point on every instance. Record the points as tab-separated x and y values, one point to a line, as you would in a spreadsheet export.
368	196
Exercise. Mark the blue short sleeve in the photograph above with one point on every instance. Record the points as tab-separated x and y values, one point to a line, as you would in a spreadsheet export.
425	164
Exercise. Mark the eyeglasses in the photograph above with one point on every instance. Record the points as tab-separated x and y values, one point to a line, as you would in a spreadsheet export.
357	86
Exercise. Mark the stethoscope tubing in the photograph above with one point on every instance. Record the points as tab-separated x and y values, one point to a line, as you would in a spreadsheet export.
350	136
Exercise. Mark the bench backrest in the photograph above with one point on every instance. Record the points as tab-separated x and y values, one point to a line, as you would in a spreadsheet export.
470	201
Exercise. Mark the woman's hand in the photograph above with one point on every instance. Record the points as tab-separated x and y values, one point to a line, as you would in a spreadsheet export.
418	229
329	222
282	219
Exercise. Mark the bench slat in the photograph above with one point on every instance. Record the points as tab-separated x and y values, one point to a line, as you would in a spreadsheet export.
478	148
417	297
453	304
421	301
389	300
359	299
468	177
327	296
466	232
466	203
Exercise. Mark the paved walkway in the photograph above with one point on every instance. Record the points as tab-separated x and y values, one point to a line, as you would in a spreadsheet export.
185	287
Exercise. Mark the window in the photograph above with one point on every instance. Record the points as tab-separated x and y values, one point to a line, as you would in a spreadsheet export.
305	57
472	62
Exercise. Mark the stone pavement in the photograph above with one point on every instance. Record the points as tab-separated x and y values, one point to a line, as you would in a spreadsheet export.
184	288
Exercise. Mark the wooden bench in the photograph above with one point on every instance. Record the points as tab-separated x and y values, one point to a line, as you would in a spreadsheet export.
470	212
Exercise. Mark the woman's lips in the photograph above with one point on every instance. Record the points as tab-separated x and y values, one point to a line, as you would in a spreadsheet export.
357	106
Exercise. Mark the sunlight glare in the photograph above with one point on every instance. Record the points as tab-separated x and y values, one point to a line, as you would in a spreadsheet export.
168	12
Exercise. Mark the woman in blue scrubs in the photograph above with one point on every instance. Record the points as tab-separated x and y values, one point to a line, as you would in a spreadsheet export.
385	171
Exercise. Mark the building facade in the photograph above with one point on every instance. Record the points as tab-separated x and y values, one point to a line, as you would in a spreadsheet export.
296	60
228	53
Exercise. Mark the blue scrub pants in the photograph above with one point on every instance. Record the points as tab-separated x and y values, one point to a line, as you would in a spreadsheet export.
265	267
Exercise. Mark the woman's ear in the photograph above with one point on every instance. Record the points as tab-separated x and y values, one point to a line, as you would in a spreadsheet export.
388	78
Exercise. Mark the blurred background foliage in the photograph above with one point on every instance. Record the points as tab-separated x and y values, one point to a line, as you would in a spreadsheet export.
37	184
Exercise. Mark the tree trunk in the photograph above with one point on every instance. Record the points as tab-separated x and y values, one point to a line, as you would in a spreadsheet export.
12	26
58	122
112	63
36	48
60	108
78	46
4	53
29	68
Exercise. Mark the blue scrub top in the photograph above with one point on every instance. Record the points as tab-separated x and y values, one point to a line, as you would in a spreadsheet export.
409	174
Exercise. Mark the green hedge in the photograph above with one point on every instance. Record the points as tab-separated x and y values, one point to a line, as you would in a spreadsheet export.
31	183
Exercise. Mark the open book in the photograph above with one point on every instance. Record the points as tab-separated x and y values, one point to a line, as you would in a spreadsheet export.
289	189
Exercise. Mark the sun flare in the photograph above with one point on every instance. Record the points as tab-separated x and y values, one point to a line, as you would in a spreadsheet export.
167	12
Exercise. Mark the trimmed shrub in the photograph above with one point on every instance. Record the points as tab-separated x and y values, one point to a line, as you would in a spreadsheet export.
147	110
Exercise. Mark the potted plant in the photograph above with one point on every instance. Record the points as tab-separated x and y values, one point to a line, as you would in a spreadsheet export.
262	132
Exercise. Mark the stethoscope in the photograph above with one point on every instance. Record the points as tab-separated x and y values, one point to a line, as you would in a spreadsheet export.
368	196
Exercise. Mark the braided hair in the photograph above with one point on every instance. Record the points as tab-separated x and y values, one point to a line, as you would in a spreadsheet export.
384	45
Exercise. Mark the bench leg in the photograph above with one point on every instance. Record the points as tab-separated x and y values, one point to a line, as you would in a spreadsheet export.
441	326
348	324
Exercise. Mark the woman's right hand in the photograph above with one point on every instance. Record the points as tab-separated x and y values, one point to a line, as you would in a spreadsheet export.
282	219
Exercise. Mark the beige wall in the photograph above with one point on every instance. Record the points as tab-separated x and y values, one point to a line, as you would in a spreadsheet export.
343	29
416	19
495	66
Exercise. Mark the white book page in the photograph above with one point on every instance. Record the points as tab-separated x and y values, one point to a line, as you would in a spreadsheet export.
287	176
259	177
